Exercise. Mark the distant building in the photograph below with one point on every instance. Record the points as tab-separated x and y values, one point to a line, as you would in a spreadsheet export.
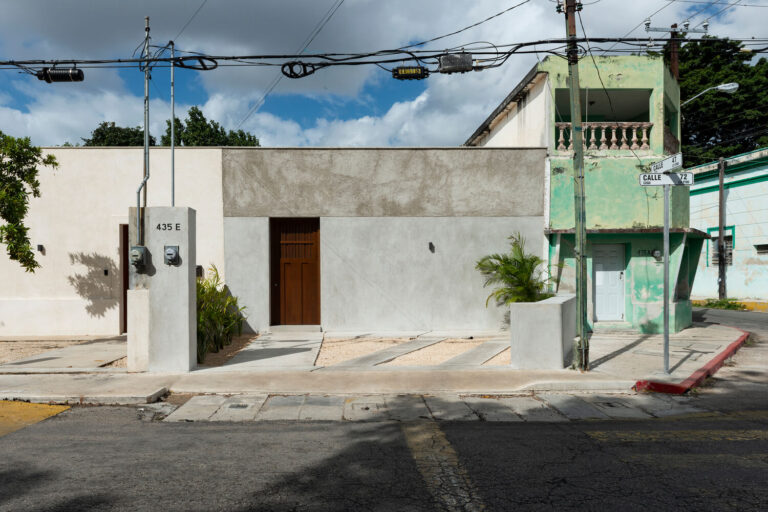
631	118
746	225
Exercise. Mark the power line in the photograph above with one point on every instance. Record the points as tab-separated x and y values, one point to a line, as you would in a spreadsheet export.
489	18
318	28
602	84
642	22
190	20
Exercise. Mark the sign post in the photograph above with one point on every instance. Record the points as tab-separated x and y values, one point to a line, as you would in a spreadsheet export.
661	175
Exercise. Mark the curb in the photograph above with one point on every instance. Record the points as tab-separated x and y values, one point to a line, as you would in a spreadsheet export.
696	377
87	399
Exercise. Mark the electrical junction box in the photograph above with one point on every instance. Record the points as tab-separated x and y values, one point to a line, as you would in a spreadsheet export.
455	63
171	254
138	256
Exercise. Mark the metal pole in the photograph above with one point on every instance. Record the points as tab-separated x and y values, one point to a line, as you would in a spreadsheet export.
722	257
173	133
581	352
143	185
666	278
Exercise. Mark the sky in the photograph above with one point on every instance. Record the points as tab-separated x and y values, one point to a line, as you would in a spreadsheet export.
339	106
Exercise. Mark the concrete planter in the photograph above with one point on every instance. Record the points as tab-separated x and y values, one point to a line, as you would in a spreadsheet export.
541	333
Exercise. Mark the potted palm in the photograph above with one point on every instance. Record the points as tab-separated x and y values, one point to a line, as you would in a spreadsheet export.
541	324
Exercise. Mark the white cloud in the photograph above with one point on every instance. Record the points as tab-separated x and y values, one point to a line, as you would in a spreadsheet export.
445	114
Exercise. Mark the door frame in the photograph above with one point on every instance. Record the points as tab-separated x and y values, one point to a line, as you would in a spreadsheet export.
623	308
124	245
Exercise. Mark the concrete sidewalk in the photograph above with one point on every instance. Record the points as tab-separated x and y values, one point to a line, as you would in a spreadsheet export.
619	360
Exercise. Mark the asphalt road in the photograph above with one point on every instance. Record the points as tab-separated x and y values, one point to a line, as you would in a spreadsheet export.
754	322
107	458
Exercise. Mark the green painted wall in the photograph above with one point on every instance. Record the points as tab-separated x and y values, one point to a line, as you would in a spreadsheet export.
614	197
621	72
643	277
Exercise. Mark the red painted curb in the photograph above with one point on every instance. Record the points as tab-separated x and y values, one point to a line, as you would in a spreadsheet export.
696	377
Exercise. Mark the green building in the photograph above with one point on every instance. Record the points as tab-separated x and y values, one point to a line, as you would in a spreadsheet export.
630	111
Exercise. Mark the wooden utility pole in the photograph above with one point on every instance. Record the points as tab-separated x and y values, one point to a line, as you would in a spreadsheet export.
581	346
674	47
722	257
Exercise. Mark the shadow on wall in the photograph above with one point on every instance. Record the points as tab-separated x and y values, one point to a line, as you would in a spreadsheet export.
96	284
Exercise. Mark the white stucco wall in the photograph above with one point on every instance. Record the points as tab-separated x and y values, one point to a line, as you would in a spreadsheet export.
746	209
526	123
77	219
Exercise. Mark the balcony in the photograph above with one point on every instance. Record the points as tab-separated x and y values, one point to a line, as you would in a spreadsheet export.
607	136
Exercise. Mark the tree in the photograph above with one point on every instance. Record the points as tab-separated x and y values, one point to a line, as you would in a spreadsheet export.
198	131
718	124
107	134
19	161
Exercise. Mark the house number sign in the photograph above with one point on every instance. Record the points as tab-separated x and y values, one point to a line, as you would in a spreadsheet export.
168	226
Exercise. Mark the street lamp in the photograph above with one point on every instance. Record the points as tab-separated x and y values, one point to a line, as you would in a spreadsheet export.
730	88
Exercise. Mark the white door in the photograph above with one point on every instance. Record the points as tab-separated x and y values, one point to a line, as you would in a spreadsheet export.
608	265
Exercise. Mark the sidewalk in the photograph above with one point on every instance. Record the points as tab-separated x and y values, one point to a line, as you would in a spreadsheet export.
282	364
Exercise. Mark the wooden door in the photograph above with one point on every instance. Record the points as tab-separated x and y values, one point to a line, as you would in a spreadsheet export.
295	271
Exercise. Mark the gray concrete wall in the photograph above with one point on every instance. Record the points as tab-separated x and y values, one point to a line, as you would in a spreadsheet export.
379	211
171	307
381	274
247	258
447	182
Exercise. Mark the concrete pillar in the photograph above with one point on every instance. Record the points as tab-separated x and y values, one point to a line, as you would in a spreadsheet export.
162	323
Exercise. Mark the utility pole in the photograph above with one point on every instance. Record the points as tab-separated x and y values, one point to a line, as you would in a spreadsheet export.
146	105
142	190
173	129
674	47
581	345
721	252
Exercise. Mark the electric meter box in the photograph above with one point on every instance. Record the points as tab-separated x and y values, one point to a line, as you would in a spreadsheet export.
138	256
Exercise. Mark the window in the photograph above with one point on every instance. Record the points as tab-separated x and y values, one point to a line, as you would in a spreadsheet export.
761	248
728	250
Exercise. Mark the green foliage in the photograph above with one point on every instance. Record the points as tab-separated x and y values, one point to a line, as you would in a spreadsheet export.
19	160
219	317
718	124
516	275
107	134
725	304
198	131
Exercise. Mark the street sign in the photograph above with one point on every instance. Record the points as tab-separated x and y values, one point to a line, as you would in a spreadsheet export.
668	164
654	179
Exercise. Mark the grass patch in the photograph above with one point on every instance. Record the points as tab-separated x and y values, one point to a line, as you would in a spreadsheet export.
732	304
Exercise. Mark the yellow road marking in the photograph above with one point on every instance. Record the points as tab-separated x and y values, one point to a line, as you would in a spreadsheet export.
447	481
679	435
17	415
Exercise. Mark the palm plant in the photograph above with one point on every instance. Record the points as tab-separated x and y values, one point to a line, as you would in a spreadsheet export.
517	275
219	317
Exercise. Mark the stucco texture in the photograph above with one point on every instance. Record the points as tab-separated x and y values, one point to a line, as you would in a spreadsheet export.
448	182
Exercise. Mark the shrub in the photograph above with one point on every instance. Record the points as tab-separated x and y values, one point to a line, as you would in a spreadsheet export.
725	304
219	317
518	275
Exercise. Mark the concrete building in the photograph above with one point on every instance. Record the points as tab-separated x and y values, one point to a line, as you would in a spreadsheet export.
630	110
347	239
745	188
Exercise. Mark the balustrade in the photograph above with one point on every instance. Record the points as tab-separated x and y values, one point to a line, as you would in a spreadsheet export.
605	136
